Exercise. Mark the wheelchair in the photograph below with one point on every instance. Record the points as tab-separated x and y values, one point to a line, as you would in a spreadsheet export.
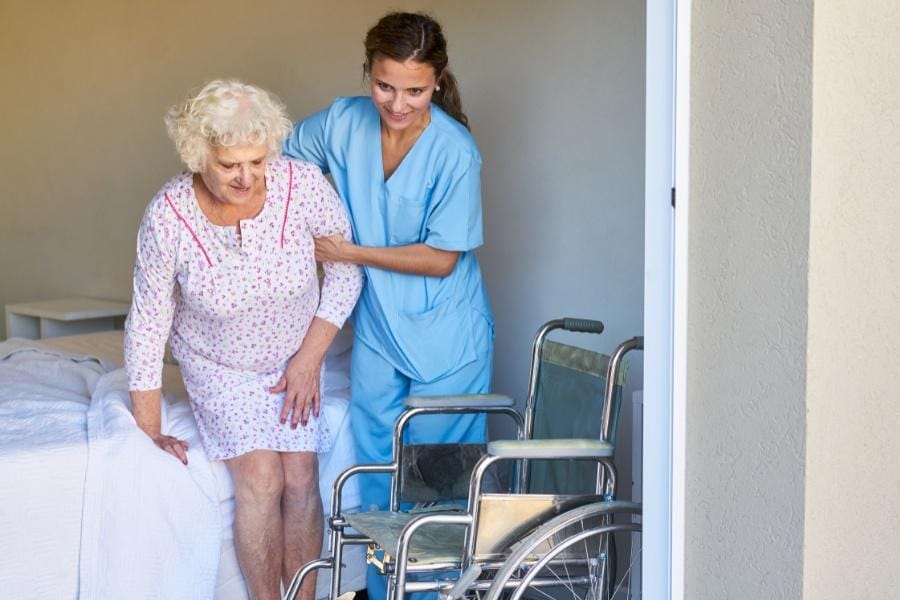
524	532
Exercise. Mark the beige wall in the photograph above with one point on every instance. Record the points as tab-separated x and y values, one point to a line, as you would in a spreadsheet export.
558	92
747	297
85	88
853	416
554	92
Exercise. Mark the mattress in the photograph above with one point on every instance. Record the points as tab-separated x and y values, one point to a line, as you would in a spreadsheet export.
106	347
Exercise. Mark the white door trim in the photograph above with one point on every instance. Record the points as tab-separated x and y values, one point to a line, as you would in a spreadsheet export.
656	574
665	298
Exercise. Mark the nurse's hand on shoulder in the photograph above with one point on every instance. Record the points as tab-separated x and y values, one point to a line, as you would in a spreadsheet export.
332	248
300	384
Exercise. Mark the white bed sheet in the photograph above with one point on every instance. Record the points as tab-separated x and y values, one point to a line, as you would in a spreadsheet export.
42	436
140	515
54	521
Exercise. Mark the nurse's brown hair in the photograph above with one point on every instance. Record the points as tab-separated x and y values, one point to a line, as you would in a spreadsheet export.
402	36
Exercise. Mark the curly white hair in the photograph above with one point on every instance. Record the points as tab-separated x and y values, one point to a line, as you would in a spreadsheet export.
226	112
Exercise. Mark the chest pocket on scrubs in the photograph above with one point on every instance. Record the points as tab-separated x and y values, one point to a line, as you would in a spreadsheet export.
406	220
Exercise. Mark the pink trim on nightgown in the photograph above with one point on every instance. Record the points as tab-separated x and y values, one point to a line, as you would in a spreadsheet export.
288	203
194	235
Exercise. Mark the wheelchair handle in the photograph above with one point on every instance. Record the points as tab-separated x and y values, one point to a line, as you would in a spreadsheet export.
568	324
612	377
582	325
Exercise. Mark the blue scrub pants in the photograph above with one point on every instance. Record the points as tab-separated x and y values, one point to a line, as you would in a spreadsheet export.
377	391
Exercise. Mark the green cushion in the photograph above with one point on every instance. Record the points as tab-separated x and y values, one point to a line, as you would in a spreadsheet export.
432	544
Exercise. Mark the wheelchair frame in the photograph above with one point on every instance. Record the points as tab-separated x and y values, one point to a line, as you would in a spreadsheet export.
530	515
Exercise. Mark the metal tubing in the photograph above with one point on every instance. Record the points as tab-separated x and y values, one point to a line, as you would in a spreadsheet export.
474	507
347	474
536	348
297	581
411	413
406	534
531	398
337	555
606	485
612	375
609	396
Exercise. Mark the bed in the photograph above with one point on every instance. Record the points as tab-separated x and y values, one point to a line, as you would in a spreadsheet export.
91	509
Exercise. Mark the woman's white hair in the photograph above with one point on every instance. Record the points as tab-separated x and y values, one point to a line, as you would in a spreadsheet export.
226	112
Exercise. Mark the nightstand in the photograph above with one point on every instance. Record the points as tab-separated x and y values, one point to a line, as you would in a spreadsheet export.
68	316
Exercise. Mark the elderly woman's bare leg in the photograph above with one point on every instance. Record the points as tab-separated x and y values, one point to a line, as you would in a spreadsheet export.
302	516
258	531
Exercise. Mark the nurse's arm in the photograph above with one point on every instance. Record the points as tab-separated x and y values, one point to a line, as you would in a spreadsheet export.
418	259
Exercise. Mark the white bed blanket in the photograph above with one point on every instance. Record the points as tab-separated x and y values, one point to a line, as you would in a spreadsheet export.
156	530
90	508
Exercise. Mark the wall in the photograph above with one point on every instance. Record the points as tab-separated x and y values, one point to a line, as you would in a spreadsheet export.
554	93
747	297
557	97
87	83
853	471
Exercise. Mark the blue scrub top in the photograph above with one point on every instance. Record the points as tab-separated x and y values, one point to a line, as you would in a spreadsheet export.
422	325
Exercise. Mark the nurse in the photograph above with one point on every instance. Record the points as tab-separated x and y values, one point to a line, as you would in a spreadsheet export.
408	170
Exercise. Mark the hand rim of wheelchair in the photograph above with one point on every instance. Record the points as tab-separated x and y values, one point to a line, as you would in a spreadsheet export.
522	556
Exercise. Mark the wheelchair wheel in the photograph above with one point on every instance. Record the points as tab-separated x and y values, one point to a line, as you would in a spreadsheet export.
573	556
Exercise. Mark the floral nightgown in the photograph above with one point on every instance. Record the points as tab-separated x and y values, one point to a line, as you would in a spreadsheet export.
237	309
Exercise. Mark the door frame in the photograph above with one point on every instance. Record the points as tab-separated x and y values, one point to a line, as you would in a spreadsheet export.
665	297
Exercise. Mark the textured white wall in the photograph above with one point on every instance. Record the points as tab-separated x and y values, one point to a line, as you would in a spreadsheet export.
747	267
852	540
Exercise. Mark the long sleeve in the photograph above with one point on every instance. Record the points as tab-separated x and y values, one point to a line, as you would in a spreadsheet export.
153	301
326	216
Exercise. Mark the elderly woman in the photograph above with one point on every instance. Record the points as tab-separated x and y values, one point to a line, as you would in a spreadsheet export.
226	270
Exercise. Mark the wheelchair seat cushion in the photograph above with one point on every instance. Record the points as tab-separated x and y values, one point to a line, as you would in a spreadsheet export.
432	544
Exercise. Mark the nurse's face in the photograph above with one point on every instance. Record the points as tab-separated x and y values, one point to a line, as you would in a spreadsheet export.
402	91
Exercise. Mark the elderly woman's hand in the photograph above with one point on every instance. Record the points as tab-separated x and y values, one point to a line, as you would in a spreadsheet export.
145	405
300	384
332	248
174	446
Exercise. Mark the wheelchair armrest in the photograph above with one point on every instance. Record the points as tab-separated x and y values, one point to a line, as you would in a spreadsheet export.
346	474
562	448
473	401
417	522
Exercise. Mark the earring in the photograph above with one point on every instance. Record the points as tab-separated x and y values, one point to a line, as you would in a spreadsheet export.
437	88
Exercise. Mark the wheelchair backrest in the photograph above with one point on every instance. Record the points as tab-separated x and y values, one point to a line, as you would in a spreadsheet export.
437	472
569	399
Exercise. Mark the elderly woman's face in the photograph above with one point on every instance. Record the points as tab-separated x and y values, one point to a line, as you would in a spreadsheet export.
235	174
